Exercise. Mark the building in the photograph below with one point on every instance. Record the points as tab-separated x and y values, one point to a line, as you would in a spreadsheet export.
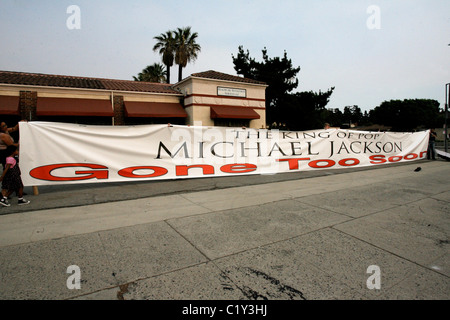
218	99
208	98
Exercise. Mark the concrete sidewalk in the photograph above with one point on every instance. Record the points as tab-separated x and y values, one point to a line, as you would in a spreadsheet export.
279	237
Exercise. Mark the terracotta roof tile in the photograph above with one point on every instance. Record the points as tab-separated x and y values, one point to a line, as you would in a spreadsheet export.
211	74
49	80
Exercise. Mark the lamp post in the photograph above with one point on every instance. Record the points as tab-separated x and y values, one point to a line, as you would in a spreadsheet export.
446	116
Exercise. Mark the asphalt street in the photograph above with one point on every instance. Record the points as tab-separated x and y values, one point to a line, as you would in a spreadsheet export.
379	233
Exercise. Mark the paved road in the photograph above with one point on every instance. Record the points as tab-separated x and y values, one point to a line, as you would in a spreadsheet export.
305	236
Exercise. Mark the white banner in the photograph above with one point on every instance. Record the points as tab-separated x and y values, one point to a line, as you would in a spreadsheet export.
59	153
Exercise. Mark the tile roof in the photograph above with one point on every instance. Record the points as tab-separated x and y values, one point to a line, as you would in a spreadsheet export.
50	80
211	74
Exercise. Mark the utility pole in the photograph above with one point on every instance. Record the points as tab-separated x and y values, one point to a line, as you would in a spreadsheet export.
446	117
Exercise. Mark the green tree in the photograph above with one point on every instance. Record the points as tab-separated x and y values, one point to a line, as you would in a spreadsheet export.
245	65
278	73
353	115
166	46
152	73
408	114
284	109
305	110
334	117
186	48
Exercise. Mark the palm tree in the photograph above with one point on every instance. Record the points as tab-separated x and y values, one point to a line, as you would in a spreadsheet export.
186	48
153	73
166	48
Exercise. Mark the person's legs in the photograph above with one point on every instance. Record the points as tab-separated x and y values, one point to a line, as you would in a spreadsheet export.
433	150
4	199
21	200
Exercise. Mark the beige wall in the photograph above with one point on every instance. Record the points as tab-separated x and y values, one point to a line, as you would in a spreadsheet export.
56	92
261	122
199	116
200	94
8	92
151	98
209	87
88	94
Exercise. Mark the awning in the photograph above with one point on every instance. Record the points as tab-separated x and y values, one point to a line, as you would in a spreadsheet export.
225	112
9	105
74	107
154	110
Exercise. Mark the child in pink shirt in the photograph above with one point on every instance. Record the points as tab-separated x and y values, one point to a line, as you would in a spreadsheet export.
11	178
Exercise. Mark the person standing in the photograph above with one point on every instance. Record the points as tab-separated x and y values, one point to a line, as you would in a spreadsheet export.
5	141
431	152
11	178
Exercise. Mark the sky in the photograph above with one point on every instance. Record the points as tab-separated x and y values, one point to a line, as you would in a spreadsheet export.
369	50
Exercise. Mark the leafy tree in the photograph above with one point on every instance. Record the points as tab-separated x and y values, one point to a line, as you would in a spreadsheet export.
284	109
186	48
334	117
366	119
353	115
305	110
244	64
408	114
278	73
152	73
166	48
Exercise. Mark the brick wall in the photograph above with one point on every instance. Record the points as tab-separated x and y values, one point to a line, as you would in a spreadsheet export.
119	111
27	105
